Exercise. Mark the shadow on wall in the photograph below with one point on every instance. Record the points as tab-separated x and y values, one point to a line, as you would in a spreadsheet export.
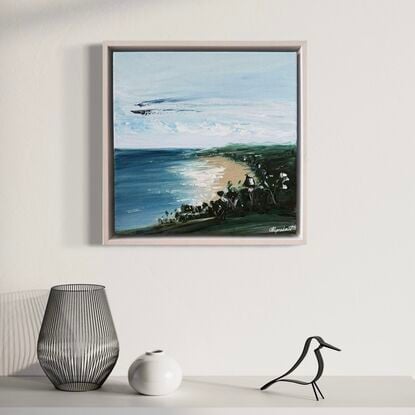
13	16
21	315
95	142
82	143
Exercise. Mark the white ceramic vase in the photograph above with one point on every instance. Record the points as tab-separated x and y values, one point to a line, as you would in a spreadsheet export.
155	373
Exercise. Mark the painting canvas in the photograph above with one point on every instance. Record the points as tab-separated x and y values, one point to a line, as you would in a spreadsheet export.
205	143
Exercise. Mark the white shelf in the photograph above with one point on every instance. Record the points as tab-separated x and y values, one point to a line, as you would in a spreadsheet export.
213	395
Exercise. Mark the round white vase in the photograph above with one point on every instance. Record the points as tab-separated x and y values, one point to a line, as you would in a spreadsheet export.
155	373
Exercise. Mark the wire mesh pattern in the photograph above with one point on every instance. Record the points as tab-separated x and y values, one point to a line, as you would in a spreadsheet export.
78	345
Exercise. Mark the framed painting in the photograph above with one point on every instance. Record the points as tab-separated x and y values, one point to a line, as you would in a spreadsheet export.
203	143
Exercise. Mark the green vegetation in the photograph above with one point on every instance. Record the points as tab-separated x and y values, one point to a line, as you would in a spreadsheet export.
262	204
254	224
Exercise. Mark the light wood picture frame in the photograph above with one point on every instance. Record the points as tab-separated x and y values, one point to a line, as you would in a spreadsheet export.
206	116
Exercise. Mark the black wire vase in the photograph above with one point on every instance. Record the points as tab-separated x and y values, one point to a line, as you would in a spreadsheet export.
78	345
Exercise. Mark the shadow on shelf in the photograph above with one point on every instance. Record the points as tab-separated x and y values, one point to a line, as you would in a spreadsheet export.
246	388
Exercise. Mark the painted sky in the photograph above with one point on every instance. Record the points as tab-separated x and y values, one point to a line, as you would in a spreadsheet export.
204	99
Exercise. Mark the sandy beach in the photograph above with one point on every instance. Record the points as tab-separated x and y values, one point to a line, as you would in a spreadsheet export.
226	170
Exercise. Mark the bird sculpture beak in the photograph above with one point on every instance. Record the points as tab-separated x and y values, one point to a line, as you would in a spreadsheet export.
329	346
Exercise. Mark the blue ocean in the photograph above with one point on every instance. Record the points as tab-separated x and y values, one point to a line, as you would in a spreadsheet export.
150	182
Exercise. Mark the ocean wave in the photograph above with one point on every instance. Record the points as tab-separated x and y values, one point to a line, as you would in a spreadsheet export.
198	121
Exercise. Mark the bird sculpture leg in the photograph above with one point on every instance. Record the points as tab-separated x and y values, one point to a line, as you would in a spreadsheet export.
315	392
318	390
270	383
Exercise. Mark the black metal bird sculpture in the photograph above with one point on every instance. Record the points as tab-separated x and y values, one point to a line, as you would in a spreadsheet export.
320	369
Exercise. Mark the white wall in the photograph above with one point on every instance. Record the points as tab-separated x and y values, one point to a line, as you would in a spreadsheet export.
222	310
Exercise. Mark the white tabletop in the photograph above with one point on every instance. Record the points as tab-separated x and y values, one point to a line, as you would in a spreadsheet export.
213	395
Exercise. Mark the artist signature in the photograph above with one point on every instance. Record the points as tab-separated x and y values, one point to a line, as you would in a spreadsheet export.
274	229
